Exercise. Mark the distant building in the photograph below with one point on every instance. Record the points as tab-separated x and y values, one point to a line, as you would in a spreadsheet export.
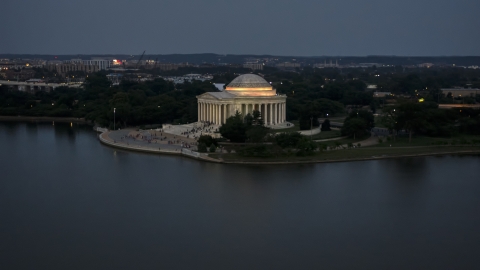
288	65
369	65
168	66
381	94
461	92
62	69
101	63
23	74
326	65
188	78
253	66
73	61
115	78
425	65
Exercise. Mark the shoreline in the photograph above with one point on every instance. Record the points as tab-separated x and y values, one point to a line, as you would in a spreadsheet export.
43	119
469	152
183	152
203	157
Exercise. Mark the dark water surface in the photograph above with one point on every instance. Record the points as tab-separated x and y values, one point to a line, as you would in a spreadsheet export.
68	202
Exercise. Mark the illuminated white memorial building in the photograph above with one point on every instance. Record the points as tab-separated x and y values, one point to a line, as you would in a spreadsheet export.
244	94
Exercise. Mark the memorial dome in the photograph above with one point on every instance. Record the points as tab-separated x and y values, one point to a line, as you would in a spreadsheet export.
250	85
249	81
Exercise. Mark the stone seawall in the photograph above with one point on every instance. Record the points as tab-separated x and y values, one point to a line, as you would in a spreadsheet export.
182	152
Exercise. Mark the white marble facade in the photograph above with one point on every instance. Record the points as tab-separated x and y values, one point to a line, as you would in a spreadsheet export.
244	94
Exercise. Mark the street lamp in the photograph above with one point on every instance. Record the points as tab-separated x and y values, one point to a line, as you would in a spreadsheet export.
311	126
113	118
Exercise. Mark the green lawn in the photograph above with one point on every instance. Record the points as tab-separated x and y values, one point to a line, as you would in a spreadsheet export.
326	135
349	140
428	141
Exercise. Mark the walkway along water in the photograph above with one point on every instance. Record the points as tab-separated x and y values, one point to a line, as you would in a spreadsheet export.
178	150
105	139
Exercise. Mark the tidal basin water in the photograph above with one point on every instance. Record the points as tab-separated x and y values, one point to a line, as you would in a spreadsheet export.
69	202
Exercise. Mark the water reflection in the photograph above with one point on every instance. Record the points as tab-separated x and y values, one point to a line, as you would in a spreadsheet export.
32	128
10	127
103	202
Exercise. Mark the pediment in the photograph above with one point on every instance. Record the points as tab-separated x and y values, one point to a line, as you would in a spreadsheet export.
206	96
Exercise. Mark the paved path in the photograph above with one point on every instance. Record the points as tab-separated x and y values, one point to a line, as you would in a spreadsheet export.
150	139
281	126
370	141
192	130
310	132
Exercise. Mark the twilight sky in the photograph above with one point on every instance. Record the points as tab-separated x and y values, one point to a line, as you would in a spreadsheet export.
278	27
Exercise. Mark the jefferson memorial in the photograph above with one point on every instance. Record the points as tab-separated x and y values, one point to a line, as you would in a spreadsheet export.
244	94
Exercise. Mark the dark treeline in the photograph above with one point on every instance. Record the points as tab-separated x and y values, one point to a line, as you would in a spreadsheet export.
157	101
312	93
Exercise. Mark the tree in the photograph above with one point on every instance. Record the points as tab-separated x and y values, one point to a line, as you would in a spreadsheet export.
306	147
234	129
354	127
120	103
202	148
248	119
288	140
315	109
257	118
411	116
212	148
390	120
256	134
326	125
358	123
365	115
207	140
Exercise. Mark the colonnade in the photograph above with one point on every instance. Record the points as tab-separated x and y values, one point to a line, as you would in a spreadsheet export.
272	113
217	113
213	112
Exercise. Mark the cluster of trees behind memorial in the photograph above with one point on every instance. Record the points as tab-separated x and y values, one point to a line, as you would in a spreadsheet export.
427	119
259	142
151	102
311	92
327	92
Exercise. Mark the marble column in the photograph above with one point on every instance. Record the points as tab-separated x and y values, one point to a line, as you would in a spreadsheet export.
210	112
281	112
270	116
278	110
273	113
224	113
215	114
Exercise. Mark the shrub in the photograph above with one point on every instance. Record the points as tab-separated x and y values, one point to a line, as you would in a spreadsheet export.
202	148
326	125
212	148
